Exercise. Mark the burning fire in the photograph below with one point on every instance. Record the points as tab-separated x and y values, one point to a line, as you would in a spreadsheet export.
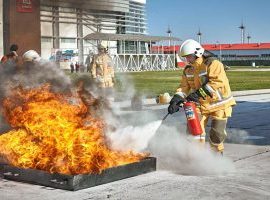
51	133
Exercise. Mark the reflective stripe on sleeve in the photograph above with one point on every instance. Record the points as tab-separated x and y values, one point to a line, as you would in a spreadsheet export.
221	102
219	95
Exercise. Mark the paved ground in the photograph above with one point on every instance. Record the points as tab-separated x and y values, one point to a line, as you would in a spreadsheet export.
251	69
251	116
185	172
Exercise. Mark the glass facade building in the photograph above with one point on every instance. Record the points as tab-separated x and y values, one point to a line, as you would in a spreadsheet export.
64	24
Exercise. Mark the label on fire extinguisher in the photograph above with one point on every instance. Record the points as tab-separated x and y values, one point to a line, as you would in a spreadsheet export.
189	113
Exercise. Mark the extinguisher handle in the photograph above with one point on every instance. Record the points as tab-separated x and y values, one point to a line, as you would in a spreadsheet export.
184	100
181	105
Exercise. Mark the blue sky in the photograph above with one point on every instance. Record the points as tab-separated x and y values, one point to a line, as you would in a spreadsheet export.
218	19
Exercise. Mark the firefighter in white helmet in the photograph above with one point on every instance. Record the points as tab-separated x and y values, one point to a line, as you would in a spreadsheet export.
204	82
31	61
31	56
102	68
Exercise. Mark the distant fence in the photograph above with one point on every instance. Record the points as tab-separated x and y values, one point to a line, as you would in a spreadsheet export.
246	62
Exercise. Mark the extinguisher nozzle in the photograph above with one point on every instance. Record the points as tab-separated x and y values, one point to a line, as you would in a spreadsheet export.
165	117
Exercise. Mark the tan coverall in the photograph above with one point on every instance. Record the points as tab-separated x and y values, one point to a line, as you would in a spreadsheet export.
102	70
210	73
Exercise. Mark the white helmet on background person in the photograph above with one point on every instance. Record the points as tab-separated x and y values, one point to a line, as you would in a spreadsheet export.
103	45
100	46
191	47
31	56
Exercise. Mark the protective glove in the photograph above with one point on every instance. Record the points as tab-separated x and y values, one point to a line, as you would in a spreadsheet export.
200	93
175	103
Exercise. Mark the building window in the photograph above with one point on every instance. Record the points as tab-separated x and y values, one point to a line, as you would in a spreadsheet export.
68	40
45	39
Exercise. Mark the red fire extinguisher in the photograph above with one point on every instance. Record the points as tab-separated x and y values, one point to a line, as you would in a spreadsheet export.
193	121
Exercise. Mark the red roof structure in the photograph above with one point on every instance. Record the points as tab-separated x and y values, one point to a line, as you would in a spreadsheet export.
250	46
217	47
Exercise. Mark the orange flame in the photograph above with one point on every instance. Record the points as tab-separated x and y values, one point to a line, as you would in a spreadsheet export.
50	133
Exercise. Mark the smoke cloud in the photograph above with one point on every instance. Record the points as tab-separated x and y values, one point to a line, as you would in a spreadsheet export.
238	136
179	154
144	131
174	150
30	75
126	87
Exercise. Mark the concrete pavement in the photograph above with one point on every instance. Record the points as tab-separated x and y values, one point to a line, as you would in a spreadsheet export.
251	69
185	172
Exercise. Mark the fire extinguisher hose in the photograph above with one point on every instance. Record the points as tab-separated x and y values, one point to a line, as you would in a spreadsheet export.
165	117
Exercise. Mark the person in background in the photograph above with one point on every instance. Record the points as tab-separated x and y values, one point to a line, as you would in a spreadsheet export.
77	67
30	59
12	56
102	70
88	61
31	56
71	67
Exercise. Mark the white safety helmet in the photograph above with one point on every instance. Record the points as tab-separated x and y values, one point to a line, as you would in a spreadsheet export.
100	46
103	45
31	56
191	47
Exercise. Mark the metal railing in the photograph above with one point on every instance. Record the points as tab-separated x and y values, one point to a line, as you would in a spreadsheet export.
144	62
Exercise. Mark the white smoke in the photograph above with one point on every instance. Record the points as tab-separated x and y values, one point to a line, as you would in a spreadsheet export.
132	137
238	136
175	152
126	87
168	142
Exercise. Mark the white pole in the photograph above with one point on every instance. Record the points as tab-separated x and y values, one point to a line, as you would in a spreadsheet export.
174	55
124	54
220	52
